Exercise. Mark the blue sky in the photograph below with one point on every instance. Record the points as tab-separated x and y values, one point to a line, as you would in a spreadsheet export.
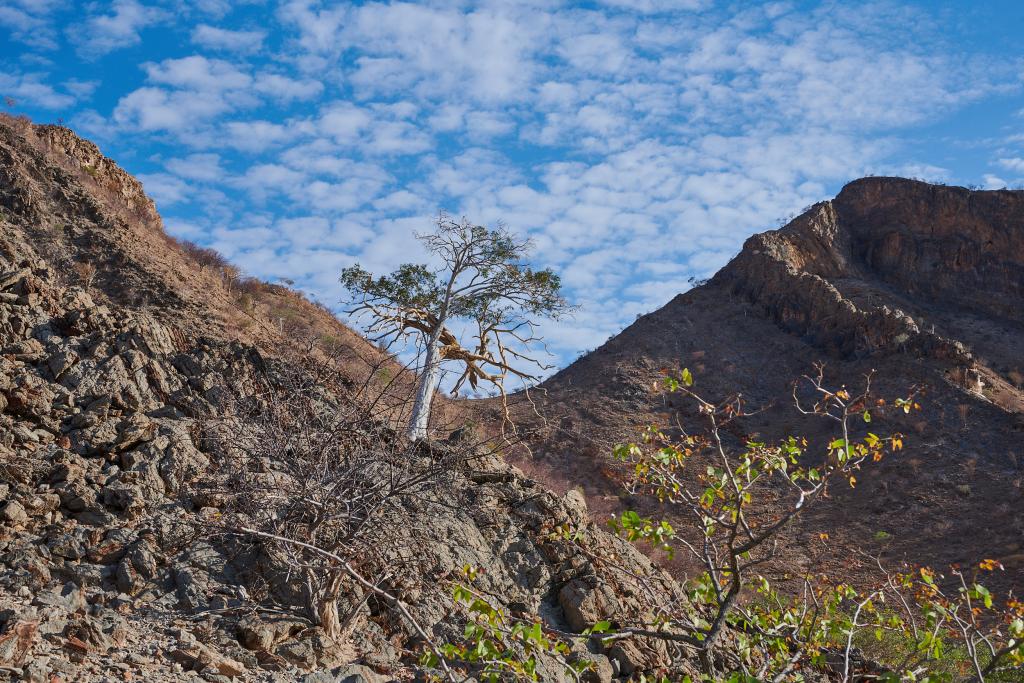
639	142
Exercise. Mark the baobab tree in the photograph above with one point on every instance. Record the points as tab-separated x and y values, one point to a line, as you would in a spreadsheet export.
484	283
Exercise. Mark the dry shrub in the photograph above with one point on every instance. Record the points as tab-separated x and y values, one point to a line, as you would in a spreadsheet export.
204	257
252	286
314	477
87	272
970	466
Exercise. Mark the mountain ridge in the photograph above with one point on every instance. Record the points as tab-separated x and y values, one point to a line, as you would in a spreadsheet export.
920	284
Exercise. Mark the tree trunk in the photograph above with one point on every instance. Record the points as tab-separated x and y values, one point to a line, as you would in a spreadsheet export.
327	617
425	392
323	604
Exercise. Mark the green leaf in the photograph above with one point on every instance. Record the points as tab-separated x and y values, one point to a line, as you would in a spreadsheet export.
687	377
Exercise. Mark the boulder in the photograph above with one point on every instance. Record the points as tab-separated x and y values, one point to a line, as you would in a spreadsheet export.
587	601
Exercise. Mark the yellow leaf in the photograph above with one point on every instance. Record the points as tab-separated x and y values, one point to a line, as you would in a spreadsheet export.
853	482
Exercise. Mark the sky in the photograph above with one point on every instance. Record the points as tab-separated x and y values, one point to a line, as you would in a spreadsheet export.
637	142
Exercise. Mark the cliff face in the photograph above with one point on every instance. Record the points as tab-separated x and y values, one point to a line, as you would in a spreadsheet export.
948	245
841	271
73	152
922	284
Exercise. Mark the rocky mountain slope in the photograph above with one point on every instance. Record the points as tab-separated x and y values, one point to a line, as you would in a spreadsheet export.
923	284
120	353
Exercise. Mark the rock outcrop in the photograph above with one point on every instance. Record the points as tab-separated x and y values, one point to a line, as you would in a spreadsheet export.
920	283
112	564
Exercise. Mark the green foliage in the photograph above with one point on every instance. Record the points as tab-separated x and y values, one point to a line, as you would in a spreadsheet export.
483	278
498	647
411	286
633	527
932	632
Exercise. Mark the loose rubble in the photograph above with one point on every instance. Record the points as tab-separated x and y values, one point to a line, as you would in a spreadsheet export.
108	568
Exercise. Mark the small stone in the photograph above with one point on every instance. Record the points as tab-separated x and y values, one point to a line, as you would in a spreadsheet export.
357	673
14	513
76	645
69	598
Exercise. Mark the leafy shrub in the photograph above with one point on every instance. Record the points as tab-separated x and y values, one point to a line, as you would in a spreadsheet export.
735	623
497	646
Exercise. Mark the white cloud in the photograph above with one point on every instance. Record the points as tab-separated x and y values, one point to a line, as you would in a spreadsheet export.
1013	164
155	109
198	73
482	53
31	22
286	89
184	229
81	90
103	33
184	96
165	189
657	5
484	125
201	167
318	28
265	179
31	89
257	136
993	182
344	121
214	38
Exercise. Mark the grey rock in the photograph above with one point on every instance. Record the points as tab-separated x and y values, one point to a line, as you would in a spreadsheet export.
70	544
255	633
586	601
68	597
113	547
357	673
14	513
298	652
137	568
191	589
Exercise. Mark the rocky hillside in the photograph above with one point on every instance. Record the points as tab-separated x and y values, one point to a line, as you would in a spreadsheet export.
120	556
93	224
923	284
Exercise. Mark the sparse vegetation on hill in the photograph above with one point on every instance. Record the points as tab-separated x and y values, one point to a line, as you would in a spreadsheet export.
738	497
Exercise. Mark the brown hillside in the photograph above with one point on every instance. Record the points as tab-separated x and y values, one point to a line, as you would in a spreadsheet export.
921	283
67	205
80	210
155	409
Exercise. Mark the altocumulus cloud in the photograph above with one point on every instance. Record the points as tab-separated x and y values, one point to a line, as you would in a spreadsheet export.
638	142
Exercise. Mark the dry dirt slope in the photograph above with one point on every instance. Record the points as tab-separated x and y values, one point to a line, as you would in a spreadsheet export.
78	209
922	283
